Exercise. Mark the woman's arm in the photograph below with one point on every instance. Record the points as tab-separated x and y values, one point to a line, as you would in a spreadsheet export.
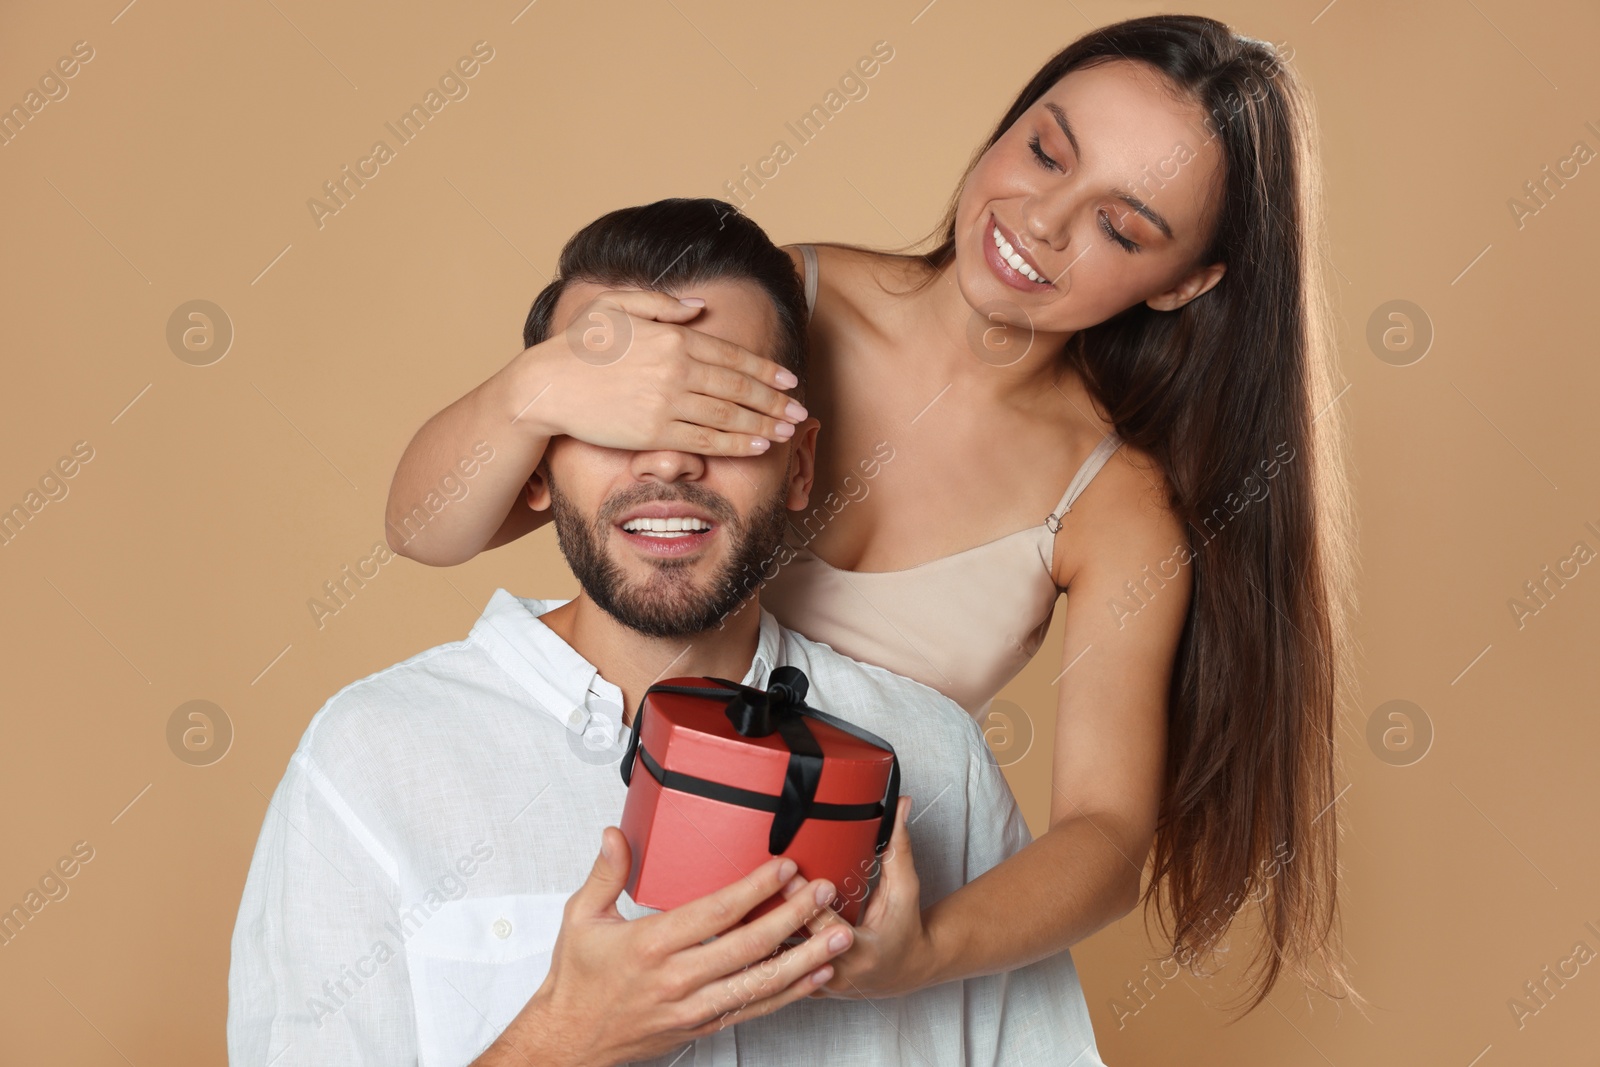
681	389
1110	746
497	413
1084	872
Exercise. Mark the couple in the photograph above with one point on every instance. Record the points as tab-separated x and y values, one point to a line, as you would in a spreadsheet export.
426	888
1126	288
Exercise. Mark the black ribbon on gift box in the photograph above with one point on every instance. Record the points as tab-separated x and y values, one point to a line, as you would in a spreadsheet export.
782	709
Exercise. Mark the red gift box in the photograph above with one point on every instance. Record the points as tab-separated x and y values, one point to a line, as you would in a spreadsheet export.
722	777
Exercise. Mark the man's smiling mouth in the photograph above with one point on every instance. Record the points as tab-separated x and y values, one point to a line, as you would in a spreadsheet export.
667	528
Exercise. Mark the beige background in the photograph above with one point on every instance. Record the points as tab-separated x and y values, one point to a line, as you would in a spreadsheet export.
220	498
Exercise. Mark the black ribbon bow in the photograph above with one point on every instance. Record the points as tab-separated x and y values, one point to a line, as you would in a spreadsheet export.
780	708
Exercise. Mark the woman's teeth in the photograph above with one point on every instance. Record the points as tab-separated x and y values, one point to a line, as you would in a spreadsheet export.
666	527
1018	264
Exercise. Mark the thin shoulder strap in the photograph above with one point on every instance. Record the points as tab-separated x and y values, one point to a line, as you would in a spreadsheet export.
1080	481
810	254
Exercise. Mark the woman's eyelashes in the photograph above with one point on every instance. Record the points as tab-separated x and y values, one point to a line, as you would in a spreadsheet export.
1111	232
1038	153
1105	223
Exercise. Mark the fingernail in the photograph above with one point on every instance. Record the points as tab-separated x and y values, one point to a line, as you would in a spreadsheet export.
821	974
824	893
692	301
838	941
786	870
760	444
786	379
795	411
784	430
794	885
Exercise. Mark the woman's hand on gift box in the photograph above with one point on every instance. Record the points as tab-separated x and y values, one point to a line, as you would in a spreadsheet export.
621	990
893	954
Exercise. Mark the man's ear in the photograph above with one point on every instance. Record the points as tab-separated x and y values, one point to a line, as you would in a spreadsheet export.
537	492
802	463
1188	287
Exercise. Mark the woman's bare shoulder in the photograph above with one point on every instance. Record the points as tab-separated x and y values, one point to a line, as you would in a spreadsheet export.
1141	485
852	274
1124	512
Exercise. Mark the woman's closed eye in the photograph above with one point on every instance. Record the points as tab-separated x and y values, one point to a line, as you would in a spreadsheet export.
1111	233
1038	153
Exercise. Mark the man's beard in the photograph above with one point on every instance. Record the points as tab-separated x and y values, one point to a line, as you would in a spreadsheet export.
669	603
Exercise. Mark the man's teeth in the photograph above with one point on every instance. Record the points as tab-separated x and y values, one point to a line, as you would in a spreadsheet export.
666	527
1010	255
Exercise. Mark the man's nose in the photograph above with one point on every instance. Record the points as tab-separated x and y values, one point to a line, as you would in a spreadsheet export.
669	466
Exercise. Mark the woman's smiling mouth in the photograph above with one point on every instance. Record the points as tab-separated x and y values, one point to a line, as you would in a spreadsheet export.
1010	263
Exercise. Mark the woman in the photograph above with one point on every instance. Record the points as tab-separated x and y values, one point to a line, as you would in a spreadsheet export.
1126	305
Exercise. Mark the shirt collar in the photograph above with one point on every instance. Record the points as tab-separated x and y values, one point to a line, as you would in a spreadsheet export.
563	683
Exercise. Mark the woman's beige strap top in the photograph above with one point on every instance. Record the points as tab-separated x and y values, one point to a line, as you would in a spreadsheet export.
964	624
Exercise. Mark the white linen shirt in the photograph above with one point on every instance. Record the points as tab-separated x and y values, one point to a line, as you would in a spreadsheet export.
407	887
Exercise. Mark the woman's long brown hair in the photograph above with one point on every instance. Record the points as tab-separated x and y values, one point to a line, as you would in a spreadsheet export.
1240	377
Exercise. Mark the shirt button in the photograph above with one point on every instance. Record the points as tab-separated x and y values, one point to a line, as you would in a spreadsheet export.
599	735
502	929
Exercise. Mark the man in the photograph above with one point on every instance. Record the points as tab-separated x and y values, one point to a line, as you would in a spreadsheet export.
425	889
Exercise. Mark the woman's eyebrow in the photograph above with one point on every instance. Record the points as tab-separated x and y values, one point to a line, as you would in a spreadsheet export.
1066	127
1139	207
1144	210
